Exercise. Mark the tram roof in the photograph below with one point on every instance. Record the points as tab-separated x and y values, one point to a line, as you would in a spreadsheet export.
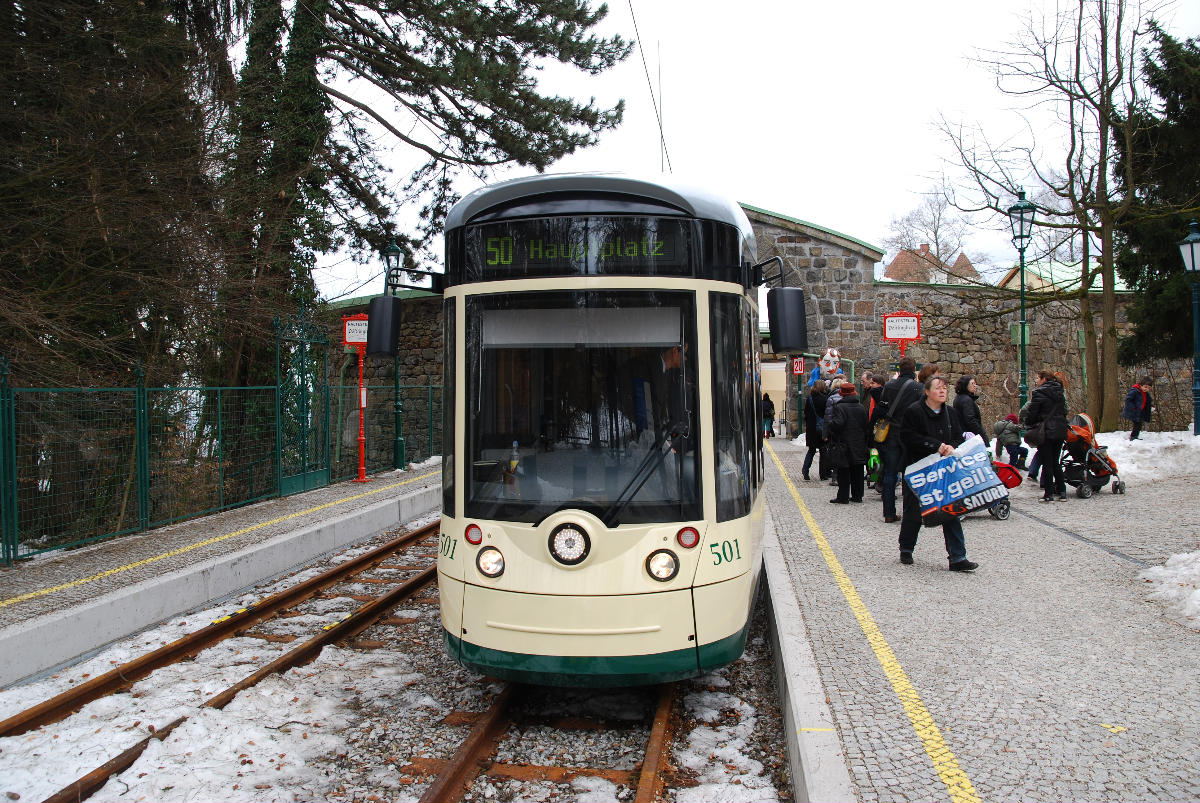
687	199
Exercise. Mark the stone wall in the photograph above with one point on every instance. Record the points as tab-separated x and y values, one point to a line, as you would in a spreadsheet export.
965	330
420	361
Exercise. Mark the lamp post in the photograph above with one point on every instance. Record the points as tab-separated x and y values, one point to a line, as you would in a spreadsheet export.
1189	249
393	257
1020	215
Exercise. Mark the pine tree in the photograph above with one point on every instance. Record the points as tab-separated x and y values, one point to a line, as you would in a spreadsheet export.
1161	159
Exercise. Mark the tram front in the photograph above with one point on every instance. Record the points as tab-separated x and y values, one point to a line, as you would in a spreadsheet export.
588	446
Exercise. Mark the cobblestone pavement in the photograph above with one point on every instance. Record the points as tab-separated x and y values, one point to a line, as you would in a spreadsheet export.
1046	674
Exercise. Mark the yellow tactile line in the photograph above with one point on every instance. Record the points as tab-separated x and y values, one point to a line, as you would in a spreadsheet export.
84	580
956	781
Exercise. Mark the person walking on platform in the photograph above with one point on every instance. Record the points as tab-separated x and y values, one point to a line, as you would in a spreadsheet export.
847	430
1049	404
1138	406
931	427
814	411
966	394
897	394
767	412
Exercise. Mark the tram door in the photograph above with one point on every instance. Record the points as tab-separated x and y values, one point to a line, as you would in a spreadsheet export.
303	407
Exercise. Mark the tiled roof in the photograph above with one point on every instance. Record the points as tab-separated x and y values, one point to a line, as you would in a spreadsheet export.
922	265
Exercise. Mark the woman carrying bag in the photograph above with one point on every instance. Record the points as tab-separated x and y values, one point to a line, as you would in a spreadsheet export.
1048	410
814	411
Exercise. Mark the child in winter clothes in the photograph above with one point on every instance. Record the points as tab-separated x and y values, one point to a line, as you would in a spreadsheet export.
1008	435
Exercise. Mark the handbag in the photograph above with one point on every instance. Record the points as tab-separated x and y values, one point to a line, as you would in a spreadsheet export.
1036	436
882	427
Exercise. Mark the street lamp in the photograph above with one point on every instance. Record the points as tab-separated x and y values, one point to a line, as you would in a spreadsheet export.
1020	215
393	258
1189	248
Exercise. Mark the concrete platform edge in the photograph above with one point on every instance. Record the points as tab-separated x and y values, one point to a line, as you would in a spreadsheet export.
33	647
815	758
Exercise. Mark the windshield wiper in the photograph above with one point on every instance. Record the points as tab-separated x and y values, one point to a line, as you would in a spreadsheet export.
673	442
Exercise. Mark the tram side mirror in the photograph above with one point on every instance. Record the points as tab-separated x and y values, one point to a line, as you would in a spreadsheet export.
383	326
789	327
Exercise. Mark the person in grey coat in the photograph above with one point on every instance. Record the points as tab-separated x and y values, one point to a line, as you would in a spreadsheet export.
849	445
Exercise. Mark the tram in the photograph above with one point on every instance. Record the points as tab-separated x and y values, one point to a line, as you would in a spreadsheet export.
602	516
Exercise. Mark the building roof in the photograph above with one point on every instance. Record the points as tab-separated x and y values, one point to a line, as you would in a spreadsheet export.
363	301
922	265
874	252
1050	276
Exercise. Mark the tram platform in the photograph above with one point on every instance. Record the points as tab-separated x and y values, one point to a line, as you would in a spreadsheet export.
1046	674
58	606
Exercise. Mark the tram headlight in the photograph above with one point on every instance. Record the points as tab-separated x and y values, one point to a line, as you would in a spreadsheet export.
569	544
662	565
490	562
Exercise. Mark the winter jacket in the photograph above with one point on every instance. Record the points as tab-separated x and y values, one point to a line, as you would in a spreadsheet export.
812	419
848	425
1138	405
969	415
1007	433
898	395
922	431
766	409
1048	403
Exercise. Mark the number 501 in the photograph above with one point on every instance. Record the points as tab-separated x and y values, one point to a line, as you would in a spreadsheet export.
725	552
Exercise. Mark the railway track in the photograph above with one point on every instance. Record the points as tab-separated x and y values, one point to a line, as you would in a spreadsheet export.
475	757
356	571
383	715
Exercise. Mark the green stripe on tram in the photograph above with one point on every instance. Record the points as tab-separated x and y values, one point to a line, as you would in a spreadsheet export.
598	671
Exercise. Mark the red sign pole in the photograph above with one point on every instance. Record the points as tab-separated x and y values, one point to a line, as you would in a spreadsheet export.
354	333
362	403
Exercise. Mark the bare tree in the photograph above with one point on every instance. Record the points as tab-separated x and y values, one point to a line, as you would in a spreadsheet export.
937	223
1080	64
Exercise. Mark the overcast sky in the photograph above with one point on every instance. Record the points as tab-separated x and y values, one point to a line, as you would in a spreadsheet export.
825	112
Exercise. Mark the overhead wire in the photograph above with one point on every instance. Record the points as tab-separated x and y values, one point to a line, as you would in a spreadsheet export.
662	138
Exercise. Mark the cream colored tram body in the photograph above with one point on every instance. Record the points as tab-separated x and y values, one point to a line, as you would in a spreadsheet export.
602	519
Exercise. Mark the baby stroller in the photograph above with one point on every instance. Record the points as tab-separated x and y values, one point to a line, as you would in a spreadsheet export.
1086	465
1011	478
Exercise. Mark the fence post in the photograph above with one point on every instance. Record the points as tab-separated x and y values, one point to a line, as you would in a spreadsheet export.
142	444
278	414
8	478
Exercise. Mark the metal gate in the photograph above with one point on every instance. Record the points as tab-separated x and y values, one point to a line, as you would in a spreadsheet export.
302	405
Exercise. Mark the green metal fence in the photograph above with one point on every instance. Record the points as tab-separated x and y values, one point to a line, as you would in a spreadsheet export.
79	465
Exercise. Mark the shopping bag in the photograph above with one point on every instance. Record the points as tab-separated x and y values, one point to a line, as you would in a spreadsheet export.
954	485
882	426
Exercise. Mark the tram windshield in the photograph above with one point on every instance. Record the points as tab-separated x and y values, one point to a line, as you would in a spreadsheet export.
570	398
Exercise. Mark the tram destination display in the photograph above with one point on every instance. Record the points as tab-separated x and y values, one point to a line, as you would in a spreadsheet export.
579	246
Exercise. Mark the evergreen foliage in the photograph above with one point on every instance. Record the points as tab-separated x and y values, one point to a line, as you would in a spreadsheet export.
1165	157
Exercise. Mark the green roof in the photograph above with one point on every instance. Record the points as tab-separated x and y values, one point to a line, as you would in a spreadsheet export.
362	301
800	222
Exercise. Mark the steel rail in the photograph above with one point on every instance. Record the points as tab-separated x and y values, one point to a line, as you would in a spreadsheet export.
125	675
658	746
466	763
362	618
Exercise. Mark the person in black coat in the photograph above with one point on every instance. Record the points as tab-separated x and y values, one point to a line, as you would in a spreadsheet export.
814	438
931	427
966	394
1049	404
848	445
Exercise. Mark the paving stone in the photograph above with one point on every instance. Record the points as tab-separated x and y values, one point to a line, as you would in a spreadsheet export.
1020	664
